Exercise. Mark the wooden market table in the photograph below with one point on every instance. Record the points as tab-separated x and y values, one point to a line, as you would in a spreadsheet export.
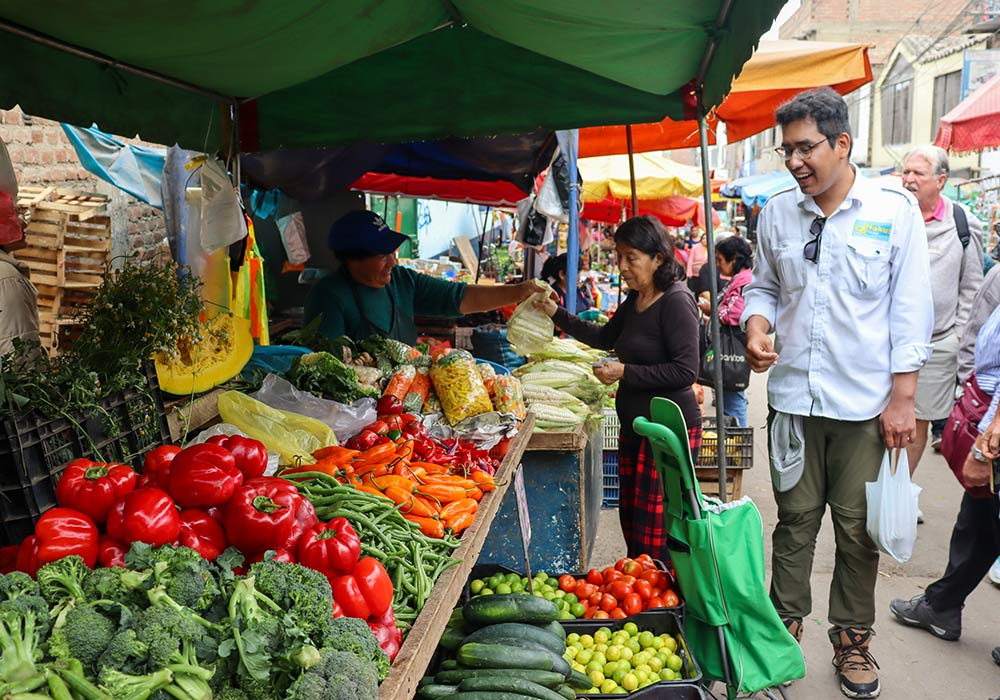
421	643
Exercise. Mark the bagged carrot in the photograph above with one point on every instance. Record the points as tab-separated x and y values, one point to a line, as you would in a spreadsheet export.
417	392
399	382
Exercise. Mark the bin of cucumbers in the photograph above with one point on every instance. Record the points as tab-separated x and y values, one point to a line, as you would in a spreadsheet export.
504	647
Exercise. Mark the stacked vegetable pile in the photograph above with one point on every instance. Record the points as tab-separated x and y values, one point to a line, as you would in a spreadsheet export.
174	625
506	646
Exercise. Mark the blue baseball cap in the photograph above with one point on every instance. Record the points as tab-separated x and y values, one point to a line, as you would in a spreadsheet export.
364	230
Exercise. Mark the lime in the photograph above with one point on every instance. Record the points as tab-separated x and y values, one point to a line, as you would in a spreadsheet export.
601	636
614	652
643	670
669	642
512	578
655	664
619	675
675	663
571	598
517	587
658	643
578	609
666	675
596	677
566	615
608	686
629	682
610	668
641	676
586	640
494	581
600	646
577	666
626	654
600	657
634	645
486	591
640	659
476	586
571	653
646	639
548	595
503	588
572	638
594	665
552	582
583	656
631	628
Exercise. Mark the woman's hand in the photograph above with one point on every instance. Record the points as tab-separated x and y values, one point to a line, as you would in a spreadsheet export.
705	305
975	473
609	371
549	305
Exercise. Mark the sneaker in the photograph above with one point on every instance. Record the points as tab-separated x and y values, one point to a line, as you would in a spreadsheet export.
794	627
855	666
936	443
994	574
918	612
920	517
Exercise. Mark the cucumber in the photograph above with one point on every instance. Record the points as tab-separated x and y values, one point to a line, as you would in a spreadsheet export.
488	695
435	691
426	680
451	638
514	631
567	692
578	680
556	629
549	679
448	665
476	655
509	685
513	607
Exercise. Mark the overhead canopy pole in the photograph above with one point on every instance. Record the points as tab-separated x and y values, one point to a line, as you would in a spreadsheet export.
568	141
631	169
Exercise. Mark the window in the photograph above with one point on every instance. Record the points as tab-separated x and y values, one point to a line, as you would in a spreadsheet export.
947	92
897	98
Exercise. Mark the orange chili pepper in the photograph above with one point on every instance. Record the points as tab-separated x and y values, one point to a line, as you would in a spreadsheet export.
430	467
385	481
408	503
403	468
483	480
476	494
379	453
340	455
444	493
450	479
459	522
463	505
432	527
405	450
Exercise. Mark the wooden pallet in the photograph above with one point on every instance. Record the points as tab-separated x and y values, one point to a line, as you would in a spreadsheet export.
68	249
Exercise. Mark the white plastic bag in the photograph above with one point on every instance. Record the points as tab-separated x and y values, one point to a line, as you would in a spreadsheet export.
345	421
530	329
892	508
222	222
293	237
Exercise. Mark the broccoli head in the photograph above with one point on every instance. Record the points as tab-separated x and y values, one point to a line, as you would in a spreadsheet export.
183	573
338	676
17	583
85	634
353	635
228	692
62	580
117	584
162	629
21	635
302	592
124	652
126	686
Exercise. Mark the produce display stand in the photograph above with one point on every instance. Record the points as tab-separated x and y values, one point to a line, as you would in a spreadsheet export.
563	487
421	643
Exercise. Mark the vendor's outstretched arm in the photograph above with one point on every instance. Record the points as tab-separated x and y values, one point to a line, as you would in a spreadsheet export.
486	297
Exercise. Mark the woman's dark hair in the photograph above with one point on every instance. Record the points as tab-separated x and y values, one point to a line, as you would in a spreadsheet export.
647	234
737	251
825	106
553	266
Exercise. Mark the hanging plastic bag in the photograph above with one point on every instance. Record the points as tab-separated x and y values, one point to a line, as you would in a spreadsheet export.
346	421
293	238
892	508
222	222
530	329
459	386
295	437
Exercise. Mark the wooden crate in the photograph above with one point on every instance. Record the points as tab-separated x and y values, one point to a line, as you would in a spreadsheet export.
708	480
68	249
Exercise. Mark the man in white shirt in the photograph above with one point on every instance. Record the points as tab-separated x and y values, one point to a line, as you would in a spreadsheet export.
841	280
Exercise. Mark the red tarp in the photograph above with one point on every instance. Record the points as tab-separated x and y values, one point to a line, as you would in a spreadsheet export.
494	194
672	211
974	123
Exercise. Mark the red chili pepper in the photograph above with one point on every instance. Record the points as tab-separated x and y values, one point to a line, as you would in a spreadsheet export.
111	552
146	515
201	533
156	467
27	556
366	591
332	548
261	515
62	532
389	636
203	475
250	454
93	487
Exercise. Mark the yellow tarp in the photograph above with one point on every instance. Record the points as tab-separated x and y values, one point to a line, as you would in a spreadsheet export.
656	177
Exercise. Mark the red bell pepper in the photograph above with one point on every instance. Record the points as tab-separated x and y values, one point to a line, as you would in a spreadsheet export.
200	532
261	514
250	454
27	556
93	487
8	558
366	591
111	552
332	548
389	636
146	515
203	475
62	532
305	520
156	467
279	555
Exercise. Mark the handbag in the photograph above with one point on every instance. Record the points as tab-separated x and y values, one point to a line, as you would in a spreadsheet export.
733	349
961	431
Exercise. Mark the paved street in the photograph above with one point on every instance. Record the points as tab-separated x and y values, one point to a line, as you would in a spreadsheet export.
914	665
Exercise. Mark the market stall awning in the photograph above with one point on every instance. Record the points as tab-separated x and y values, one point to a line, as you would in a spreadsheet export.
498	193
672	211
974	123
755	190
775	73
307	73
656	177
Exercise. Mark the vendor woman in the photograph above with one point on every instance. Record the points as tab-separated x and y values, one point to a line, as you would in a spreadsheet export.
369	294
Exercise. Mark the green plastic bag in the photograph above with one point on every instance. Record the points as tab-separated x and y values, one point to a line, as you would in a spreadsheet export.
294	437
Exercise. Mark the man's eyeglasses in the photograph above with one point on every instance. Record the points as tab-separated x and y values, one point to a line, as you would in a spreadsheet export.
811	249
803	152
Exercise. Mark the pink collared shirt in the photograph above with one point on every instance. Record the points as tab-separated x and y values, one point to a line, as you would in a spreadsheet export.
938	213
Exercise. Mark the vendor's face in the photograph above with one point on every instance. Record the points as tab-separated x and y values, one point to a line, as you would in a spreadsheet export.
637	267
374	271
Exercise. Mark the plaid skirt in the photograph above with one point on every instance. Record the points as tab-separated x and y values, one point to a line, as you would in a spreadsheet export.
640	504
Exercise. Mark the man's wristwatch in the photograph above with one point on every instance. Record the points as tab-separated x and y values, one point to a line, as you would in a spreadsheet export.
978	455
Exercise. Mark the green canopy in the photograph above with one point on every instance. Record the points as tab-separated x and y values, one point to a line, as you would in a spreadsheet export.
316	72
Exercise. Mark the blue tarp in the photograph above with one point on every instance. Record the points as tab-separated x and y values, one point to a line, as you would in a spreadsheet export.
135	169
757	189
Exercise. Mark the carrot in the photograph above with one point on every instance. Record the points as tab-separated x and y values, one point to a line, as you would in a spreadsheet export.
340	455
399	382
432	527
463	505
460	522
445	493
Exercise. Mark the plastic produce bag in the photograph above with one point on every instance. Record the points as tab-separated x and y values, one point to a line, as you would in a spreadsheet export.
892	508
293	237
222	222
529	329
295	437
508	397
459	386
345	420
228	429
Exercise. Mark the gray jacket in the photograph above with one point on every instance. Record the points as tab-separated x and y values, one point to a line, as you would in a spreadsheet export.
985	301
956	273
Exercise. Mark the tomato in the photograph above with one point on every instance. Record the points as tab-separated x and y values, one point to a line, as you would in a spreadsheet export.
645	560
620	564
656	592
620	589
655	602
610	575
632	568
567	583
590	613
643	589
601	615
584	590
618	614
671	599
628	579
595	598
594	576
632	604
608	602
654	577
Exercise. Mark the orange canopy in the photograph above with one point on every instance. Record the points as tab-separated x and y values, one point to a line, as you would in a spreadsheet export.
776	72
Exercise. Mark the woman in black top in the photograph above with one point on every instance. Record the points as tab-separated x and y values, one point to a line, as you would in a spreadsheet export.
655	338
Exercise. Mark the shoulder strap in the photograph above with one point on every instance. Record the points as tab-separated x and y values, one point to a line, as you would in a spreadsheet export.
961	224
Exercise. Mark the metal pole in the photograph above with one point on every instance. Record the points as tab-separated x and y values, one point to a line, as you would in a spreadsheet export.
573	235
713	288
631	169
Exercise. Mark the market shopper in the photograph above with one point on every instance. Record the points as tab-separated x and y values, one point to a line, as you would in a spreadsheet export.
840	278
654	335
734	258
954	243
554	272
370	294
698	255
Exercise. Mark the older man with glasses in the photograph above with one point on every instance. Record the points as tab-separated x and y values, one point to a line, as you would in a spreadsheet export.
841	280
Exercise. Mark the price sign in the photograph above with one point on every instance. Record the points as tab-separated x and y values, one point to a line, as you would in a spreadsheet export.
524	520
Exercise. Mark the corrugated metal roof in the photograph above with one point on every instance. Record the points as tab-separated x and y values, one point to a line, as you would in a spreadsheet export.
931	48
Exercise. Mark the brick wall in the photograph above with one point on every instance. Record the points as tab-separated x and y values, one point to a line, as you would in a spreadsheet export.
43	156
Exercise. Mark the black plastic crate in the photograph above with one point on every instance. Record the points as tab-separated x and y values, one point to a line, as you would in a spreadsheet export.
671	690
739	446
34	450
